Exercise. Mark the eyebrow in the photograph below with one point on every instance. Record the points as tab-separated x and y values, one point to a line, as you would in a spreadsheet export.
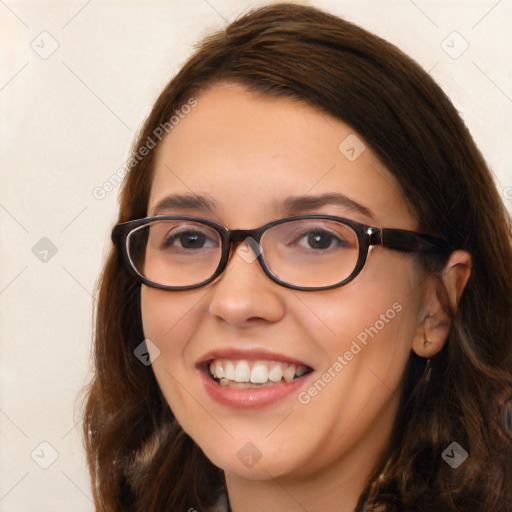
291	205
185	201
298	204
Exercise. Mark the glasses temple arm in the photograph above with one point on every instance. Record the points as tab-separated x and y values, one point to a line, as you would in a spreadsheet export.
410	241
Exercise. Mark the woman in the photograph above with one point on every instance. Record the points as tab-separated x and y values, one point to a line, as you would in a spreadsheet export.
316	263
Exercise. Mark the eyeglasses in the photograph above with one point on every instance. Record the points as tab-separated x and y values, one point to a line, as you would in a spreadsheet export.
303	252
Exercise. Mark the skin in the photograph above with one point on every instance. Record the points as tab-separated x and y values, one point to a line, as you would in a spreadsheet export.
246	150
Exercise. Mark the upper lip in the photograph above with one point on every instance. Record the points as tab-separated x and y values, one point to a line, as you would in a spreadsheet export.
238	354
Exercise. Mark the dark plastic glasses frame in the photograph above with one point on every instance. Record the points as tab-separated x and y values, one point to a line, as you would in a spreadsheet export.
395	239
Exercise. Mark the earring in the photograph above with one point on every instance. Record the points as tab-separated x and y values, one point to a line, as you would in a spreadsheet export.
427	372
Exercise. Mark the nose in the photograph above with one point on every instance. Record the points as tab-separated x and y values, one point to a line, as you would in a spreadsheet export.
243	294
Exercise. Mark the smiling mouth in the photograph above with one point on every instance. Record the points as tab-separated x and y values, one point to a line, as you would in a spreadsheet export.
244	374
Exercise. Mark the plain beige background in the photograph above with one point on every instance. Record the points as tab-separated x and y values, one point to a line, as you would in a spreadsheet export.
76	81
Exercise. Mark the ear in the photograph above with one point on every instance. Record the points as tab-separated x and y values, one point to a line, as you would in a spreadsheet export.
441	299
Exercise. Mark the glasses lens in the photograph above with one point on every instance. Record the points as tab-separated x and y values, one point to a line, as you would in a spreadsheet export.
311	252
175	252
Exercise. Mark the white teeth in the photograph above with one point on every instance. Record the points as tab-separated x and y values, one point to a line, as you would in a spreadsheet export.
242	372
300	371
275	374
289	373
219	369
229	370
259	373
246	373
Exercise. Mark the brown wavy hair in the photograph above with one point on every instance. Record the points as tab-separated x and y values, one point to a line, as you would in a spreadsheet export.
139	457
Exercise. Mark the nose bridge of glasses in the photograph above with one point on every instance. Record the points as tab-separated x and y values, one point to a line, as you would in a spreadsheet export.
238	236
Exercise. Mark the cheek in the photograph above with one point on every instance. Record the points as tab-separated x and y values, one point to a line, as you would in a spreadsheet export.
166	316
365	335
370	323
169	320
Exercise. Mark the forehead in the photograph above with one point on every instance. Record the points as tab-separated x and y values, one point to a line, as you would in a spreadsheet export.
248	153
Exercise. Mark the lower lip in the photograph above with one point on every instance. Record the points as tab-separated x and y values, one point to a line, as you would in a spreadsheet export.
253	397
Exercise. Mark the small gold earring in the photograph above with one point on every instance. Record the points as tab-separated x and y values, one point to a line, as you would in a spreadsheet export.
426	342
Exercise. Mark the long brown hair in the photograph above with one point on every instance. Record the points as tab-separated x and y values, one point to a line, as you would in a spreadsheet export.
139	457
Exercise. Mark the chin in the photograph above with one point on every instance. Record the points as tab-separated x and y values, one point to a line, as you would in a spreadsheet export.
252	460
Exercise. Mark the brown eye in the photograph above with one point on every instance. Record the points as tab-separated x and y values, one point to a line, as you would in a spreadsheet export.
187	240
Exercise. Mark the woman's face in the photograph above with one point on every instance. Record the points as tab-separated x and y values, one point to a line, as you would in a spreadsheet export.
249	153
